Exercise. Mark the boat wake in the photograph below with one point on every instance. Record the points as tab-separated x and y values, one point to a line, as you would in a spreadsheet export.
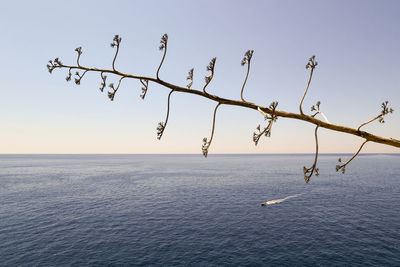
276	201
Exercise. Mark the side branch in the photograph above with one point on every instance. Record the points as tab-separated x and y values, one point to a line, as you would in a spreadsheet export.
308	172
116	42
385	110
79	51
110	94
311	64
208	79
206	145
343	166
163	46
161	125
246	60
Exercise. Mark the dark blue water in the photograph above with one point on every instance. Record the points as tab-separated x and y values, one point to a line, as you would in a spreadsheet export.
185	210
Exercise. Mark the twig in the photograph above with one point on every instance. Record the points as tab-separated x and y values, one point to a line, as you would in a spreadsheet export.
246	60
111	95
79	51
103	82
161	125
311	64
116	42
308	172
163	46
206	145
385	110
78	80
208	79
343	166
318	111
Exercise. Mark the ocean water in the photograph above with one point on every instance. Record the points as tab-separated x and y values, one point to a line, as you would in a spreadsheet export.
168	210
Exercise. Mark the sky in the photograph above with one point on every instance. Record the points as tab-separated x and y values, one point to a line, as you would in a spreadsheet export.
356	44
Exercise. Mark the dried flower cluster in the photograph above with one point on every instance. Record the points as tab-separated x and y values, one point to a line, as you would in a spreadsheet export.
163	42
247	57
311	63
342	167
160	130
205	146
385	110
145	84
54	64
103	81
190	78
116	41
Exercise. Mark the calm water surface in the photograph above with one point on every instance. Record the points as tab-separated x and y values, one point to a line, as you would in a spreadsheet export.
90	210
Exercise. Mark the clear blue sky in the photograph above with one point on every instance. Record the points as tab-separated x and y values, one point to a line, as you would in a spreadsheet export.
356	43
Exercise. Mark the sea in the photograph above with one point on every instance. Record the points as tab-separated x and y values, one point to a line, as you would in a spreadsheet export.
186	210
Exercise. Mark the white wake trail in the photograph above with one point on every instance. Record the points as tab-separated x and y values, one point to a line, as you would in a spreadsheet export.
276	201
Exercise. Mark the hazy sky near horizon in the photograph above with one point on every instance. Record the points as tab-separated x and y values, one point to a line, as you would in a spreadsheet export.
356	43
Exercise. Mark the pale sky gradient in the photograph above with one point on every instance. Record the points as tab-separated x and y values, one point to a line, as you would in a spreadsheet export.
357	45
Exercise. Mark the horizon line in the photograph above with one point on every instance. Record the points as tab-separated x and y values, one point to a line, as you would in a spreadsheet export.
295	153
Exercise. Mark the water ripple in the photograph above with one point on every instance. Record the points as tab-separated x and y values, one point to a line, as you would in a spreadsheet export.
182	210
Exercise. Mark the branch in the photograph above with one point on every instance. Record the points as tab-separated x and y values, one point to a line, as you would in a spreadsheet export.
343	166
279	113
270	113
206	145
